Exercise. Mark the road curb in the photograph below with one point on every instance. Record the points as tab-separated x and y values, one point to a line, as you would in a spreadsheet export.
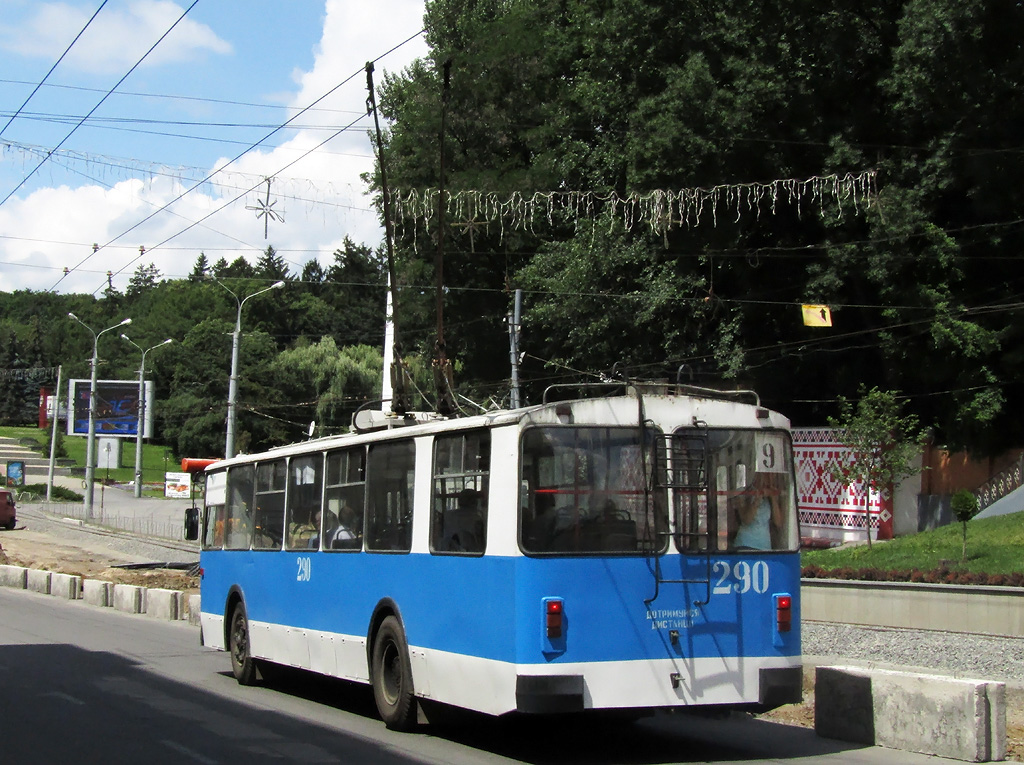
158	603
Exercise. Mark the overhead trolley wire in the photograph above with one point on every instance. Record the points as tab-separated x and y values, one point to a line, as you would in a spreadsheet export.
99	103
220	169
55	65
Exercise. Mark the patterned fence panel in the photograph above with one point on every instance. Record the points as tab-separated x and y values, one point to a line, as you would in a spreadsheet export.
828	509
1001	485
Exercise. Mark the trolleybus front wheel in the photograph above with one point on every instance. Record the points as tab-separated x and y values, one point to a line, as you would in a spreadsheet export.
242	664
392	677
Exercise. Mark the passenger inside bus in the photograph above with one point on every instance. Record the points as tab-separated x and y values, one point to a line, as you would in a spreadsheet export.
464	524
759	513
347	534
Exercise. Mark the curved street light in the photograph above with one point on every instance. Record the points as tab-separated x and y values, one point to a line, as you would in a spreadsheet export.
90	446
229	441
142	410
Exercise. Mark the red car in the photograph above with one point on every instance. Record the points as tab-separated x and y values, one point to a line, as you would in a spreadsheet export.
8	516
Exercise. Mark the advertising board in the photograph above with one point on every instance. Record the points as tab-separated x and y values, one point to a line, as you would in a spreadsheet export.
117	408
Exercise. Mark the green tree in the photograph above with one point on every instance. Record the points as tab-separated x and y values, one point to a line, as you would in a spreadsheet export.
883	443
964	506
336	381
354	287
201	269
271	266
639	95
143	279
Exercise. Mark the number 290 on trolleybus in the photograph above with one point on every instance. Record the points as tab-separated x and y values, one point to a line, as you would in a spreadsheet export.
635	550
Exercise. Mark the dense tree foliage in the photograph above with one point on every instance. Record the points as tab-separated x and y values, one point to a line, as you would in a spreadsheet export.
636	95
310	351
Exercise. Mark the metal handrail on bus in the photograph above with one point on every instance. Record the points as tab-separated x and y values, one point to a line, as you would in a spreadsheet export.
582	386
718	393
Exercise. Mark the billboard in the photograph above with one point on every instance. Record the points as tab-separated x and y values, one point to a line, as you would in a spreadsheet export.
117	408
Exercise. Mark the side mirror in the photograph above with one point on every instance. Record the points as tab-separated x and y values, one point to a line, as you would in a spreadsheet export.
192	524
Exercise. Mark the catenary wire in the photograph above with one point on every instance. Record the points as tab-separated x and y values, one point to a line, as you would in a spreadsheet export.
55	65
232	161
100	102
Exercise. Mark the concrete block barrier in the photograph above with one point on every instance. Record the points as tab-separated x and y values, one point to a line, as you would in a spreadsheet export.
38	581
129	598
929	714
194	607
162	604
97	593
13	576
66	586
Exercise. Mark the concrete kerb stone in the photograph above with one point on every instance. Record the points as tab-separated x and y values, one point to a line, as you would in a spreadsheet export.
162	604
129	598
68	586
929	714
38	580
13	576
98	593
194	608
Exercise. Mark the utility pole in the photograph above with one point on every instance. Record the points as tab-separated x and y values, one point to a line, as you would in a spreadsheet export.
514	326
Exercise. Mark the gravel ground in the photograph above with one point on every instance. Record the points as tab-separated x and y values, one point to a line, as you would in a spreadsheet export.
982	657
132	547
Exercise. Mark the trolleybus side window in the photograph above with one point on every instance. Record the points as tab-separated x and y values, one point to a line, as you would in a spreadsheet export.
344	498
239	521
585	491
458	519
213	517
270	483
389	496
302	517
749	503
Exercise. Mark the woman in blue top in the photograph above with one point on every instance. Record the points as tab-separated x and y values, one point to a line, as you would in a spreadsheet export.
756	515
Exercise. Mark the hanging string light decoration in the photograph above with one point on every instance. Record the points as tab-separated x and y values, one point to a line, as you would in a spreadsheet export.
659	211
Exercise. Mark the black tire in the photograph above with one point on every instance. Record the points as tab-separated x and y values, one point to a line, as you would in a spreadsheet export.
243	666
11	524
392	677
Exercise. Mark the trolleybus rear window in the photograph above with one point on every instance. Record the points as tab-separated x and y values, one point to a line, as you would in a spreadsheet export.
745	500
590	490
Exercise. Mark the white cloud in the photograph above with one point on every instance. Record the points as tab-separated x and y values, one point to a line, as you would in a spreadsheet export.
321	196
117	38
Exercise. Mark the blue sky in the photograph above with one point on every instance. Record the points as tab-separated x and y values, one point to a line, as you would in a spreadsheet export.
227	75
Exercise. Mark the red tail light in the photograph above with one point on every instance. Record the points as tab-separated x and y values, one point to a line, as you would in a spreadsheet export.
783	612
553	608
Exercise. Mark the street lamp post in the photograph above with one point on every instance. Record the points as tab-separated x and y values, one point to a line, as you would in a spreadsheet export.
229	443
90	444
142	410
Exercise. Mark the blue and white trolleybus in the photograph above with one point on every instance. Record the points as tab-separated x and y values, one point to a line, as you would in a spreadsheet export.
628	551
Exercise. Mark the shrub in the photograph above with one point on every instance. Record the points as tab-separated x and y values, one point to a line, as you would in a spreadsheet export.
938	575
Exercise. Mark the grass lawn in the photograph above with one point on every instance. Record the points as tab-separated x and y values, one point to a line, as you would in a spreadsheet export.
994	546
155	459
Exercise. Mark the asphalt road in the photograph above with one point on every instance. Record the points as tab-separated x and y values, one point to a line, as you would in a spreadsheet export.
88	685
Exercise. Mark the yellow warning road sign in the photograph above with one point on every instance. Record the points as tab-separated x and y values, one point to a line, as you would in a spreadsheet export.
817	316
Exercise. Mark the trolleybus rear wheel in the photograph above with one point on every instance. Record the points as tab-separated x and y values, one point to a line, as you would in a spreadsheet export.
392	677
242	664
